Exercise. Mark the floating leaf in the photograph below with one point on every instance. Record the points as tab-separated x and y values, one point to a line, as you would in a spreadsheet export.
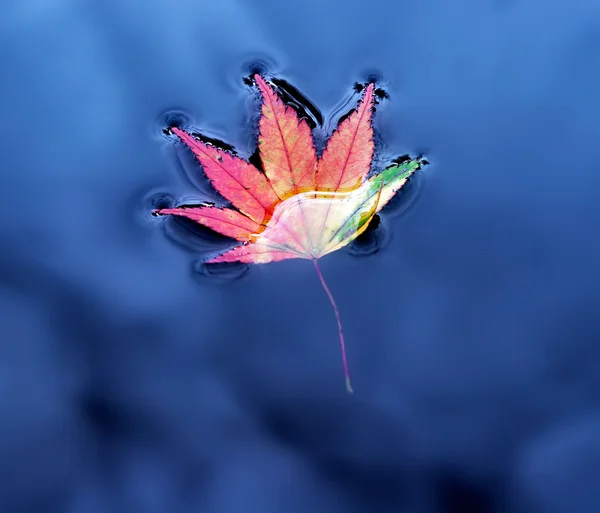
301	206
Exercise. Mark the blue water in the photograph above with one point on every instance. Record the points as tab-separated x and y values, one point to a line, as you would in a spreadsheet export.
133	379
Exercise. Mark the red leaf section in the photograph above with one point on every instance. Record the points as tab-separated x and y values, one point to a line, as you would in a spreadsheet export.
237	180
285	143
222	220
347	157
253	254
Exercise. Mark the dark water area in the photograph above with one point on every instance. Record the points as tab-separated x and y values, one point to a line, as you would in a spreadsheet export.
133	378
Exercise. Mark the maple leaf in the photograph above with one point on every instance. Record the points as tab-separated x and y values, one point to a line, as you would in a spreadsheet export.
302	206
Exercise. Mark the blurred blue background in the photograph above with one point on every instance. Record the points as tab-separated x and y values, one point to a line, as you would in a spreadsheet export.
133	380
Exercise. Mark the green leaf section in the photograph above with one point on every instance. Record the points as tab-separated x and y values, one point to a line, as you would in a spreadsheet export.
375	193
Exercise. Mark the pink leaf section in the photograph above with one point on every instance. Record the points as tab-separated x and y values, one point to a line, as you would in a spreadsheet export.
222	220
347	157
237	180
286	147
253	254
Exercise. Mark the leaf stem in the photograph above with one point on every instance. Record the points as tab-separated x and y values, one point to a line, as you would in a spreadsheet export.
339	322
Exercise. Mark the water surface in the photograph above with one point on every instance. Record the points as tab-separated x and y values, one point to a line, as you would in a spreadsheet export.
133	379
